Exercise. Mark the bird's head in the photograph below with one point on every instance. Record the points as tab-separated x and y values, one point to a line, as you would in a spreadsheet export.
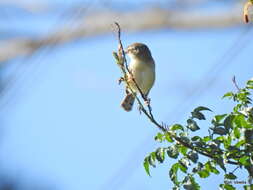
139	51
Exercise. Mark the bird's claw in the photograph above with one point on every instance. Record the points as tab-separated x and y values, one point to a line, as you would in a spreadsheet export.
147	101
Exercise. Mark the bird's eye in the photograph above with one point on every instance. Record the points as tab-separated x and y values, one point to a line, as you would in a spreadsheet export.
136	50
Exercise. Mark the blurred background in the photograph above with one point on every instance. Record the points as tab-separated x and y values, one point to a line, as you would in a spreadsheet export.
61	124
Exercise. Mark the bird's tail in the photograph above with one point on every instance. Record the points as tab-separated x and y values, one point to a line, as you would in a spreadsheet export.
128	102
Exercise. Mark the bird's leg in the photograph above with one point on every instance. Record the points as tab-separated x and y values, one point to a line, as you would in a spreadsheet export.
147	100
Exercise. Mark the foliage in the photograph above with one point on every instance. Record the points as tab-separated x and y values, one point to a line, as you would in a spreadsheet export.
229	142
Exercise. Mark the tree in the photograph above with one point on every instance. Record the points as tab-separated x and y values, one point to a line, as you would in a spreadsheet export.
230	139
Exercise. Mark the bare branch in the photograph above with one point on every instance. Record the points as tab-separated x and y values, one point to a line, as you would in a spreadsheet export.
99	22
235	83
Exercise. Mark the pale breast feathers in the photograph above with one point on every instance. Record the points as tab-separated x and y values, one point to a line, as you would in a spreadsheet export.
144	75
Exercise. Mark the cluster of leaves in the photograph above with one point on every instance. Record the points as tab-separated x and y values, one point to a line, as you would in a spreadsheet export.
230	142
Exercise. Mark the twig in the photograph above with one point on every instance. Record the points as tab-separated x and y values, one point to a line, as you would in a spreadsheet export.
121	51
235	83
235	169
148	112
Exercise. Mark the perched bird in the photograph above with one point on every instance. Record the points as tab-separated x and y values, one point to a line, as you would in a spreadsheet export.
142	67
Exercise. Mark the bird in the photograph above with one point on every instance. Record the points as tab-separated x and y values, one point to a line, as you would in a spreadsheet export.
142	69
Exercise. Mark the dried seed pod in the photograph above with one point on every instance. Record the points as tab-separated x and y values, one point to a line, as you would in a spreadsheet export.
246	11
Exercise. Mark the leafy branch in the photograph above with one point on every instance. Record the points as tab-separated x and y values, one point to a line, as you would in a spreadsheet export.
230	139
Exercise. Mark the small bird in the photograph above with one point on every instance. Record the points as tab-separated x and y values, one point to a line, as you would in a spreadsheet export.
142	67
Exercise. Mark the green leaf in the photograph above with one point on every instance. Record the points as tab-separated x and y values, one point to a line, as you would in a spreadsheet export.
173	173
201	108
240	122
196	138
250	82
194	183
230	176
159	137
185	139
198	167
198	115
227	141
220	162
228	122
146	166
203	173
182	150
183	164
227	187
173	151
188	186
219	130
177	127
153	156
151	159
189	183
182	167
218	118
248	136
215	171
240	143
237	132
160	154
244	160
192	125
228	95
206	139
210	166
248	187
193	156
168	137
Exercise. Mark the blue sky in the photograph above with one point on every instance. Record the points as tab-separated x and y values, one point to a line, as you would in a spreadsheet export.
63	124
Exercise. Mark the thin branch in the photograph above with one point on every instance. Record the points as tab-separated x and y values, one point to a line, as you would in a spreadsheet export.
148	112
235	169
235	83
141	20
121	51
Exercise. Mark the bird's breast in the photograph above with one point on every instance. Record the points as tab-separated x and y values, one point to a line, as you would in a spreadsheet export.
144	74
